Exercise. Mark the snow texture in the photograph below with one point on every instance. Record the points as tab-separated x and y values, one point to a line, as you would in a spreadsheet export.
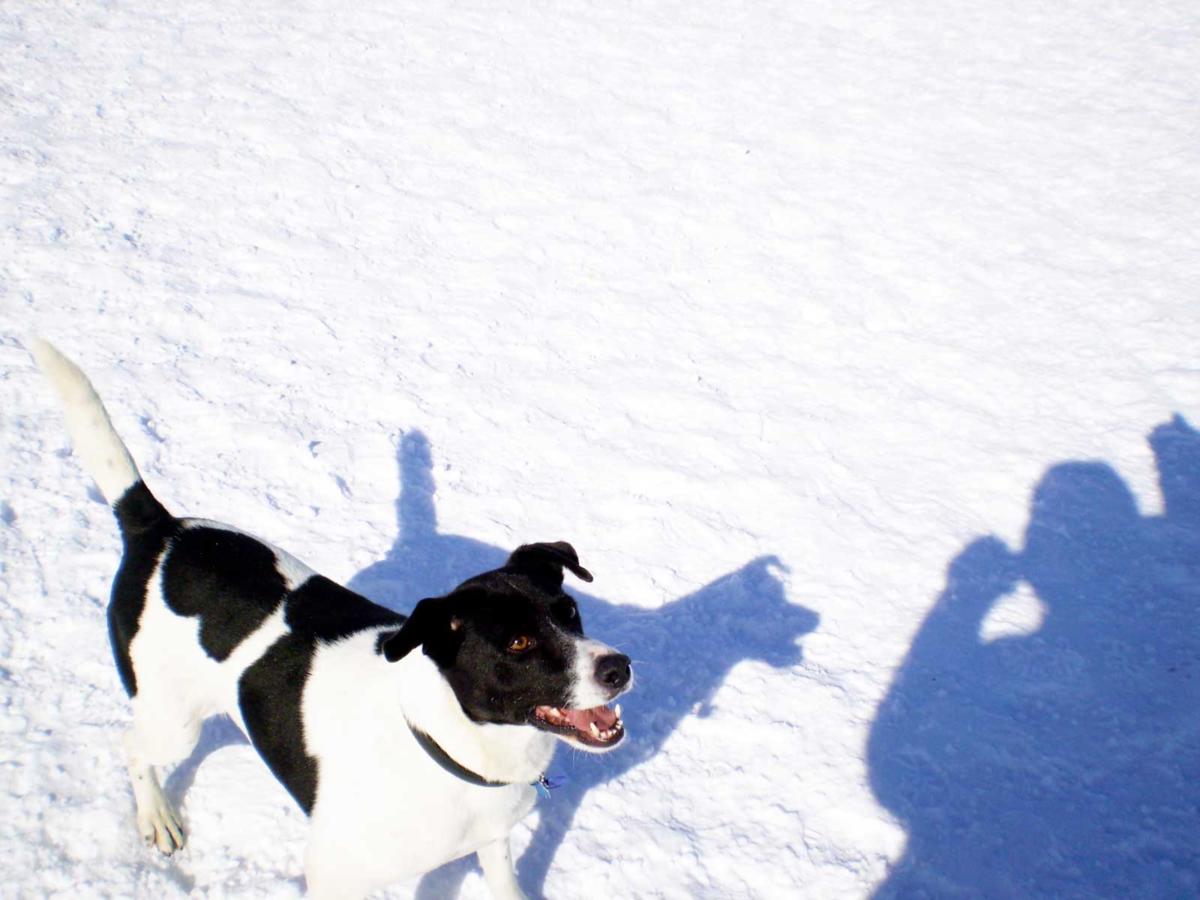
853	345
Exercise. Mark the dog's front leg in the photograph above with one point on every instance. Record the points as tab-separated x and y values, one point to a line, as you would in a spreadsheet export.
157	822
496	861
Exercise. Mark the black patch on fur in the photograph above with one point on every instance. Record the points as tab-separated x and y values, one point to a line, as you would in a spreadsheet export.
431	626
146	527
226	578
325	610
269	695
271	690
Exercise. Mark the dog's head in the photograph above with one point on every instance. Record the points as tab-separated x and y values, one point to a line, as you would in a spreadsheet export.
511	645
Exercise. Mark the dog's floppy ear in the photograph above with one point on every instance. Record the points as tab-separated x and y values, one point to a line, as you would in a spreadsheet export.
432	625
544	562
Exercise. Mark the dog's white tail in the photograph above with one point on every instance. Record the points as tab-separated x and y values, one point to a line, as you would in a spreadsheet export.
101	451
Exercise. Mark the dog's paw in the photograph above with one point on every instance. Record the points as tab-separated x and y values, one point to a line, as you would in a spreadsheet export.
159	827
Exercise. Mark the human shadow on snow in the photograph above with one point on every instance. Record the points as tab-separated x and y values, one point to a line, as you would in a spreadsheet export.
681	651
1065	762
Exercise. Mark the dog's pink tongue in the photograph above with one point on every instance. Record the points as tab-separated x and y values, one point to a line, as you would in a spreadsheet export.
582	719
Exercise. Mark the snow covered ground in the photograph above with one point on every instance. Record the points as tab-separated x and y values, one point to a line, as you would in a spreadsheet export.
845	342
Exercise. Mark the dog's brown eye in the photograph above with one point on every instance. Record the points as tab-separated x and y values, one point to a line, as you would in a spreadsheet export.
520	644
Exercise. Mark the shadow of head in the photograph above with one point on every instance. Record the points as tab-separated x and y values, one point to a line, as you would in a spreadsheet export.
1083	515
683	651
744	615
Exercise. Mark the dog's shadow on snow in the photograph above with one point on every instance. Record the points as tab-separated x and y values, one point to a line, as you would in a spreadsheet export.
681	651
1061	758
216	733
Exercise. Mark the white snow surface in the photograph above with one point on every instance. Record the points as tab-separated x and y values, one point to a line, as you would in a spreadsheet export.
853	346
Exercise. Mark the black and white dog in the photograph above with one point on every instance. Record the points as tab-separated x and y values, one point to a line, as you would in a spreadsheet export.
403	760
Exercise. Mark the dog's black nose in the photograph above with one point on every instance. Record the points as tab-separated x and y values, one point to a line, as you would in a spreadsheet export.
613	670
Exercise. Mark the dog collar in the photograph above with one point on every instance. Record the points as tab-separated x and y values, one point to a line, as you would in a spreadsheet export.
544	783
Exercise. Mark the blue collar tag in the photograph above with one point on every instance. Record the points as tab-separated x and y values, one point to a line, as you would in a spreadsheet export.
548	783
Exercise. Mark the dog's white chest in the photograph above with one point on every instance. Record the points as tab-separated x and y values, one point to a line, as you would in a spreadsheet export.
395	827
384	808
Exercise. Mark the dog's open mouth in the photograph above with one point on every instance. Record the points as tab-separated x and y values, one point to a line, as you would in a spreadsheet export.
599	726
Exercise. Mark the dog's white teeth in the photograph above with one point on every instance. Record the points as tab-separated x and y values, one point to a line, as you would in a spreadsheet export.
595	730
617	710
